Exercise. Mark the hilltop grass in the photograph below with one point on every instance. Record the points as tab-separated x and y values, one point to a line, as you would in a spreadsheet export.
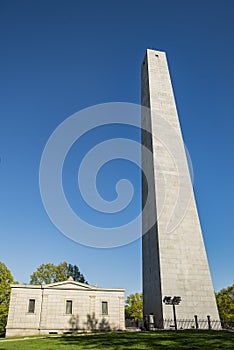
169	340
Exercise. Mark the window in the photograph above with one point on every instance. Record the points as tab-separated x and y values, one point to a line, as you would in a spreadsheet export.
31	306
69	307
104	308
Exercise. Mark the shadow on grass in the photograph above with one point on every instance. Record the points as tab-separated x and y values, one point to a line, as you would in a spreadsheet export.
154	340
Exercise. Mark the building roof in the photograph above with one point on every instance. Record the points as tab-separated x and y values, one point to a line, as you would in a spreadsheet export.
68	284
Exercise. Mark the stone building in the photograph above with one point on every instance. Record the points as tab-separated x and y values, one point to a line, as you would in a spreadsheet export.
64	307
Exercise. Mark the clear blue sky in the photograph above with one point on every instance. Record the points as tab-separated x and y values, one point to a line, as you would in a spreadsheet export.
58	57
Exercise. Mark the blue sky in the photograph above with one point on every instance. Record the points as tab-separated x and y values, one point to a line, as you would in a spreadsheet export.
58	57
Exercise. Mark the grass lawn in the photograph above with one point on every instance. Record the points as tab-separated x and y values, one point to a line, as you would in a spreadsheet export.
169	340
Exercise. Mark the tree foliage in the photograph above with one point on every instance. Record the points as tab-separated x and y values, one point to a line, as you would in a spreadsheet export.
6	279
50	273
225	303
134	306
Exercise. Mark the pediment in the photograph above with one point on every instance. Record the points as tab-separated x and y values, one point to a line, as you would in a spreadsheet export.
69	285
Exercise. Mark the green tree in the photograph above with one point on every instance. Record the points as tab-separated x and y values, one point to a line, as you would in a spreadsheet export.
74	272
6	279
225	303
134	306
50	273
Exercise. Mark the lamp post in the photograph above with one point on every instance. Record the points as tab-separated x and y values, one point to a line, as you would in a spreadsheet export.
173	301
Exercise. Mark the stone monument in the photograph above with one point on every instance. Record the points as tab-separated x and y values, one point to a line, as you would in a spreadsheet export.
174	256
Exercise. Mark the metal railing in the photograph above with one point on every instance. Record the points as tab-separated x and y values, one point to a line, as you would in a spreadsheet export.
194	323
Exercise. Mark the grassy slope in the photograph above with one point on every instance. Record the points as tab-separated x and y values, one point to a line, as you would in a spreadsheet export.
169	340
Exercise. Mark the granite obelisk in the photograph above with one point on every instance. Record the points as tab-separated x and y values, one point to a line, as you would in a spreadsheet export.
174	256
